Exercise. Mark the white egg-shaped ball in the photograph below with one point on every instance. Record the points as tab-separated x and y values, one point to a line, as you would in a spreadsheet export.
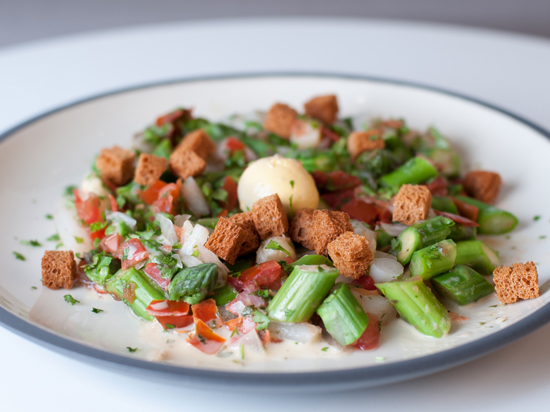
277	174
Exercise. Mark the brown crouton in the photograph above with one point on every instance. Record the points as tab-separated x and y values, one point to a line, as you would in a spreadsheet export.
351	254
482	185
301	229
359	142
184	163
323	108
116	165
149	169
246	222
58	269
199	142
269	217
518	282
226	240
279	120
327	226
412	203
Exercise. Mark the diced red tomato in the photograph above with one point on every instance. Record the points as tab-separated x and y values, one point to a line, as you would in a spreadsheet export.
134	251
88	210
167	308
167	199
179	231
223	213
335	181
172	117
330	134
336	199
129	292
233	144
112	242
100	289
370	339
438	187
365	282
243	300
151	194
114	206
362	211
154	273
244	324
230	187
465	209
267	274
204	339
175	322
100	234
457	219
207	311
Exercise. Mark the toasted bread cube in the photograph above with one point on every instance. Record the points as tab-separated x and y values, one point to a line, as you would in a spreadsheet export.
351	255
149	169
301	228
184	163
327	226
58	269
116	165
226	241
279	120
269	217
199	142
359	142
412	203
323	108
521	281
246	222
482	185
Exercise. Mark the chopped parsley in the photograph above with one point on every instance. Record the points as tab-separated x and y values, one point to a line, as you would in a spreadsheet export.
195	253
78	239
33	243
34	287
19	256
131	350
325	349
169	326
275	246
97	226
542	237
494	306
59	245
536	218
70	299
69	190
292	184
96	310
50	217
241	350
201	339
53	238
261	320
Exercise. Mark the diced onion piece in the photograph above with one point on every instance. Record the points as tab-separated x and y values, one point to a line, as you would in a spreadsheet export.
121	217
250	343
194	198
377	305
385	270
179	220
393	229
299	332
305	135
383	255
264	255
362	229
167	229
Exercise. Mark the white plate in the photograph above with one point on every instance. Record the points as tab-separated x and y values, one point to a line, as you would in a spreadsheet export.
45	155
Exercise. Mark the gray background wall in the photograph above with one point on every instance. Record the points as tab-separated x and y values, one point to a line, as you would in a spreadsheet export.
25	20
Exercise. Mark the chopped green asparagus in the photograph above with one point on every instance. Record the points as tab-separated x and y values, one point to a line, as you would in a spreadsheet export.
433	260
462	285
478	255
414	171
444	204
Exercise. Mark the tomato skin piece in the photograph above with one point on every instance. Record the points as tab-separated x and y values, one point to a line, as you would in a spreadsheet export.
88	210
362	211
175	321
167	199
265	274
335	181
167	308
233	144
365	282
438	187
136	253
244	324
370	339
336	199
457	219
330	134
207	311
112	242
171	117
151	194
152	270
114	206
230	187
465	209
204	339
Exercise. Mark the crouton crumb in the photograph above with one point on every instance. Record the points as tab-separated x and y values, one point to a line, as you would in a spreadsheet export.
184	163
149	169
269	217
301	228
279	120
359	142
246	222
521	281
58	269
482	185
116	165
199	142
323	108
327	226
412	203
351	255
226	240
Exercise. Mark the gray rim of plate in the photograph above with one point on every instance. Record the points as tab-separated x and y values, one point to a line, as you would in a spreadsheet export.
336	379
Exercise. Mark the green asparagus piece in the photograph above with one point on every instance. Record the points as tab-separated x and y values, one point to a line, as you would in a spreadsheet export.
416	304
433	260
343	317
460	232
491	220
400	151
444	204
101	267
445	160
192	284
144	291
462	285
224	295
478	255
414	171
421	235
383	240
302	293
312	260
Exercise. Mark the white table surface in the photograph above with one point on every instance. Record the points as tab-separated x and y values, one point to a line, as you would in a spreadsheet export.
508	70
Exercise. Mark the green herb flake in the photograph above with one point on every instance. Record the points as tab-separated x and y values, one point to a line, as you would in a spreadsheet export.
482	323
241	350
131	350
169	326
34	287
96	310
19	256
195	253
494	306
262	321
275	246
33	243
379	359
97	226
325	349
53	238
49	217
536	218
201	339
292	184
58	246
69	190
542	237
70	299
78	239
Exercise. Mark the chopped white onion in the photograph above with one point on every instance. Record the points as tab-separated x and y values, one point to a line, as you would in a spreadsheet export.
393	229
93	184
383	255
299	332
193	236
377	305
121	217
305	135
179	220
264	255
385	270
194	198
250	342
362	229
167	229
189	261
343	279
